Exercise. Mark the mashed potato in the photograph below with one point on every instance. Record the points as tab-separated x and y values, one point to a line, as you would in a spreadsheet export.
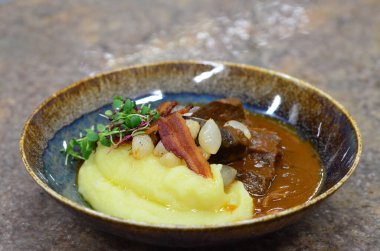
146	191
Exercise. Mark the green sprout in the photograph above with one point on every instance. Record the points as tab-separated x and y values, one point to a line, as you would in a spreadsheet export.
125	121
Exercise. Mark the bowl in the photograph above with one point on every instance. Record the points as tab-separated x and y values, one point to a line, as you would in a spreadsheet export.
322	120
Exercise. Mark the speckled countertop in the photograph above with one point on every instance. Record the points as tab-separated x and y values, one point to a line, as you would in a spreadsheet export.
46	45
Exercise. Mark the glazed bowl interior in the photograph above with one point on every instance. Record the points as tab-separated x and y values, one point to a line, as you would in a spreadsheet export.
315	115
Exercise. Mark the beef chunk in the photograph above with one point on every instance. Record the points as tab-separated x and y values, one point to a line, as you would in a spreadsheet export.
255	173
264	141
257	169
222	110
234	146
254	159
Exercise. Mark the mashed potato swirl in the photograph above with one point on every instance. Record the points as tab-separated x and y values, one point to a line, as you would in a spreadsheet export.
144	190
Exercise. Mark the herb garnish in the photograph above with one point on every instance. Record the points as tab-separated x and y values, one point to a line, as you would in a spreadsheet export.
125	121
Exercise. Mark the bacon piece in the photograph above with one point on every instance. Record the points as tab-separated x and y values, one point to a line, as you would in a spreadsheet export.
176	137
166	107
154	127
184	110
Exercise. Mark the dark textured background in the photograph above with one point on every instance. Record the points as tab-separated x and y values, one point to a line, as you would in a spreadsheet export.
46	45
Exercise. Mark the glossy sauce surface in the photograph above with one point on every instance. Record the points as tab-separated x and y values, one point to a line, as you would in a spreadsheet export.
298	172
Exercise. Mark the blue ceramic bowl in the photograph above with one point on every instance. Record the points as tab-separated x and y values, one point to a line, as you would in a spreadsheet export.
319	118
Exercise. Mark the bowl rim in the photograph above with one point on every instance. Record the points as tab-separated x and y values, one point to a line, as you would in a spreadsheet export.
102	216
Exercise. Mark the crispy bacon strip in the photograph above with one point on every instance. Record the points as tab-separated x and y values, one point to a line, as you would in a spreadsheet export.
184	110
154	127
176	137
166	107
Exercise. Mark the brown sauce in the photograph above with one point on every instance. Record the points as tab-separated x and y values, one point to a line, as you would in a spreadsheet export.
298	171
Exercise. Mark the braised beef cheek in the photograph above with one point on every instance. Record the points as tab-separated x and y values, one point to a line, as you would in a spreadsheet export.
253	159
234	146
234	143
278	169
222	110
257	169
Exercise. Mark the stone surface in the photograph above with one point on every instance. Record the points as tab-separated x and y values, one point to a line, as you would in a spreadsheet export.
46	45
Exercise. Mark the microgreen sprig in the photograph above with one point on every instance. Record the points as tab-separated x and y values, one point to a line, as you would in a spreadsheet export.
125	121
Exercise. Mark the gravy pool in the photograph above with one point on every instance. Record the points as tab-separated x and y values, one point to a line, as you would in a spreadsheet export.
298	172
